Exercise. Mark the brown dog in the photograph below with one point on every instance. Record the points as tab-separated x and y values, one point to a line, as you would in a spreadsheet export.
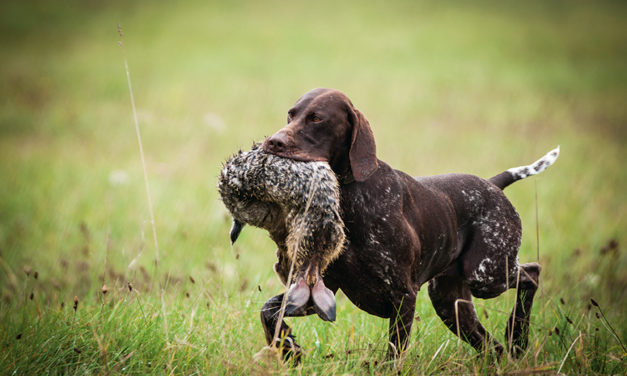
457	232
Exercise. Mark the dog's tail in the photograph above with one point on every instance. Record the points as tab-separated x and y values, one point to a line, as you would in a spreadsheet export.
506	178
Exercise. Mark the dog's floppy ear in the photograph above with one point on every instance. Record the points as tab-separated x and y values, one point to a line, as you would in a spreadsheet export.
363	151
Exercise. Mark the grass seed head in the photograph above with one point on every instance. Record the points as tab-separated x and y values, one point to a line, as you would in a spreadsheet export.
105	289
75	303
84	230
613	244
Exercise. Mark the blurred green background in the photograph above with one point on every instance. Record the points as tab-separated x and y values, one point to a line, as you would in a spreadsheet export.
473	87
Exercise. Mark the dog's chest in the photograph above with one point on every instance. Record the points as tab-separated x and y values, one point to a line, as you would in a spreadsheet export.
376	241
400	235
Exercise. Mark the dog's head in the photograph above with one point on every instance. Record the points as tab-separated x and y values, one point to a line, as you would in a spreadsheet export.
324	125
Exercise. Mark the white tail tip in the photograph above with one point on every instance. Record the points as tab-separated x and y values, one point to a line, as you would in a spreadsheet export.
537	166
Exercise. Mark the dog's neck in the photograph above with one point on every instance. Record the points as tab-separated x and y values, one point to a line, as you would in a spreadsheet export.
342	168
346	178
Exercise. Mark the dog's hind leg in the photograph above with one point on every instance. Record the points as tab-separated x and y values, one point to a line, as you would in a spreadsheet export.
517	329
285	341
452	301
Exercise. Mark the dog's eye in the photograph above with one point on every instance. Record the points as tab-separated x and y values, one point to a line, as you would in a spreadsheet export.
315	119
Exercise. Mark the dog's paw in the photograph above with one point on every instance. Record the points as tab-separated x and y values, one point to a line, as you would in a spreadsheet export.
290	350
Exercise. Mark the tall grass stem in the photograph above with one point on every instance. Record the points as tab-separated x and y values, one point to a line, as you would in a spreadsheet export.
568	352
537	223
146	183
312	191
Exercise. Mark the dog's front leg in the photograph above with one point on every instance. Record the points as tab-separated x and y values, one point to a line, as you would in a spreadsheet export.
400	325
285	341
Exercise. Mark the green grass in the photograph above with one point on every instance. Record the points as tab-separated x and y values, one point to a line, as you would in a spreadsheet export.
447	87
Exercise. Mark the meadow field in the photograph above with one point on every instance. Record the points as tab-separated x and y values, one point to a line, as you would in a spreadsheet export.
475	87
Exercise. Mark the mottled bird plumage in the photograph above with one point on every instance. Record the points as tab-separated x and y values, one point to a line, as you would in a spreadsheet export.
297	202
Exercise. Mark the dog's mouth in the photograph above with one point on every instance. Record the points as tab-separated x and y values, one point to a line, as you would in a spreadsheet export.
297	156
288	151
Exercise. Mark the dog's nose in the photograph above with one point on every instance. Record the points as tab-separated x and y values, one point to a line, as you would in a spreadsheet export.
276	143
